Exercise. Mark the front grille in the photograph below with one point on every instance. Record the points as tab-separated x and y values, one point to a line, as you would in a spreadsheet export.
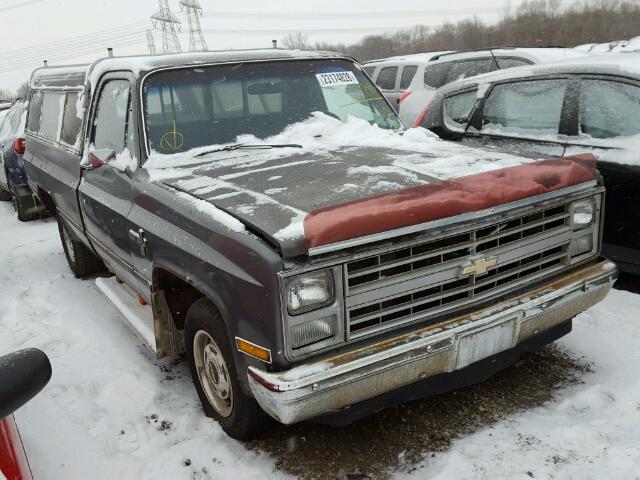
424	279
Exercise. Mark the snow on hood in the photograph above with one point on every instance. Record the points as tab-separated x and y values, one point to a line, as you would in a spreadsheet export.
621	150
273	190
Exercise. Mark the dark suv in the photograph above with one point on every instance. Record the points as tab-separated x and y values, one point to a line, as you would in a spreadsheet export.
264	212
586	105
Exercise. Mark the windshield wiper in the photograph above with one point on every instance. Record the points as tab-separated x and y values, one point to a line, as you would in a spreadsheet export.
242	146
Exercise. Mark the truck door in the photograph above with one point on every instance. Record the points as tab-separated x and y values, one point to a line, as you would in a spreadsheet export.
106	189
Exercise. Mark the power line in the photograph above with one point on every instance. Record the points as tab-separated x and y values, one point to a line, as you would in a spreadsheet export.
115	32
33	63
19	5
339	15
57	52
151	43
284	31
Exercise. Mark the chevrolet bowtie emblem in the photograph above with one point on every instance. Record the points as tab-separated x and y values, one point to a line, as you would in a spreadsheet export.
479	267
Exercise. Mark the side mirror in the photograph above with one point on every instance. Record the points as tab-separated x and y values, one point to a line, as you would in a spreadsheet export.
23	375
97	158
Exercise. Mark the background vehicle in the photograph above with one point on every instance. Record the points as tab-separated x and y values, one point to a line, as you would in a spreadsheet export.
23	375
449	67
393	75
13	177
209	185
586	105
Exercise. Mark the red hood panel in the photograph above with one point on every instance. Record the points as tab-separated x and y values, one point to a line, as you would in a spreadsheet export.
445	199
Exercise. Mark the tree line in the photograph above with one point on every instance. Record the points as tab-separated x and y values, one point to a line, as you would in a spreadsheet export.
532	23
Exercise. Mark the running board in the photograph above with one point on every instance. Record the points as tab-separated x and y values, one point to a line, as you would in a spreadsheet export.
139	318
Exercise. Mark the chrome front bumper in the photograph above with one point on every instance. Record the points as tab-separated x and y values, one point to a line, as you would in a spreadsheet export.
326	386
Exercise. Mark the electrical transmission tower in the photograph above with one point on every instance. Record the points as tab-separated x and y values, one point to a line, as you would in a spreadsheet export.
193	10
166	21
151	43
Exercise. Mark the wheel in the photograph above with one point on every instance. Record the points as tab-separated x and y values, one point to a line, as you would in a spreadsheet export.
5	195
21	205
215	376
82	261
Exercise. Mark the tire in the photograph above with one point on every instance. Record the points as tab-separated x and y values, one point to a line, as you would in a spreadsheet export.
239	415
4	195
21	206
82	261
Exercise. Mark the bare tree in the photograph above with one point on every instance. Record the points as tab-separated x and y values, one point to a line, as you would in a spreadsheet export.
5	95
533	22
23	90
296	40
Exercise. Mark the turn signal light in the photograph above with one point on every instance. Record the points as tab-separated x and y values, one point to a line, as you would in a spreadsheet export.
253	350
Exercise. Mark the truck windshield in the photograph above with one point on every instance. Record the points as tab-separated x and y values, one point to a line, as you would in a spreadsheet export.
203	106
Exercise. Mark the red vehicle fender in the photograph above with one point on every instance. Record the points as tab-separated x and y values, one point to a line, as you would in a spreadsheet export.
13	459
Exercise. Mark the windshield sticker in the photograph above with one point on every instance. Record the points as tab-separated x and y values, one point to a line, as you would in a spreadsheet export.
172	140
334	79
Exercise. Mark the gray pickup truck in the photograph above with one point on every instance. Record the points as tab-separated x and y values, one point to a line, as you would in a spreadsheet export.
264	213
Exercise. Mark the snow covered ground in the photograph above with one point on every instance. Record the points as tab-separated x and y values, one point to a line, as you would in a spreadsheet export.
112	411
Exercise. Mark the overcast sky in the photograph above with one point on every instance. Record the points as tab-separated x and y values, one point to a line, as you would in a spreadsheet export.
76	31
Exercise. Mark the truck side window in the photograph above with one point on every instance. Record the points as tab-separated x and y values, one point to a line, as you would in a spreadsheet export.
528	107
35	109
70	122
387	78
609	109
408	73
110	124
52	105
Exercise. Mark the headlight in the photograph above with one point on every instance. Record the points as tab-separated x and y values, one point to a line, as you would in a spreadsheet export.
582	245
309	292
582	213
312	331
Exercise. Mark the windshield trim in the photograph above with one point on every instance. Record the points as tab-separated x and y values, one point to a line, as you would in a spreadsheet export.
145	77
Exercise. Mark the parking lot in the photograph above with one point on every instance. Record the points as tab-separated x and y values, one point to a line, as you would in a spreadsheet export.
113	411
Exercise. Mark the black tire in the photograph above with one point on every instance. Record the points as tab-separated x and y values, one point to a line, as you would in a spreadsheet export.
246	419
4	195
21	205
82	261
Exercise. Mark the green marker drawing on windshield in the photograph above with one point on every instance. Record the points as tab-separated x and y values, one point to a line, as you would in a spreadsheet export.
172	140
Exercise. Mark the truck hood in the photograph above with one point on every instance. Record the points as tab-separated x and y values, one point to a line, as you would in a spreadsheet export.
300	198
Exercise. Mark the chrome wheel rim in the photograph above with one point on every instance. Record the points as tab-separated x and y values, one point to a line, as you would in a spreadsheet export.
69	244
213	373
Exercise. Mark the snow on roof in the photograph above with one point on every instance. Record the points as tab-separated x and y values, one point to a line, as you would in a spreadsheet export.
75	75
612	64
425	56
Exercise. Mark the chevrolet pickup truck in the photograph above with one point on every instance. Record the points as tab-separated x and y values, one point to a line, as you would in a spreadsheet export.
264	213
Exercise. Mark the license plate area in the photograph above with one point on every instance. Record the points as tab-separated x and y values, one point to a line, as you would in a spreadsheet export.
484	343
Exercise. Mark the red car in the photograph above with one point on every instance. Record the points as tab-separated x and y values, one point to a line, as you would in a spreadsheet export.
23	375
